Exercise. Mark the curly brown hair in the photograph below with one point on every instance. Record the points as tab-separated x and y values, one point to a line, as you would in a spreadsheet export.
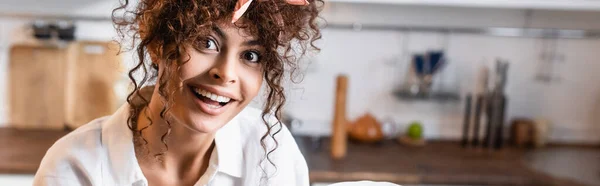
160	29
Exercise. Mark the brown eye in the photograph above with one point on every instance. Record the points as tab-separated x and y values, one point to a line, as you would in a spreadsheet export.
210	44
252	56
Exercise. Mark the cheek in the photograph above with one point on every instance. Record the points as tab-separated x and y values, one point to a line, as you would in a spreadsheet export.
194	67
252	81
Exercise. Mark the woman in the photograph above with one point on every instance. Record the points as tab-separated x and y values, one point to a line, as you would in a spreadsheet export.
207	60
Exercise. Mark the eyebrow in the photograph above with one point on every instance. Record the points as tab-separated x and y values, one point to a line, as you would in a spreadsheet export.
222	35
219	32
252	43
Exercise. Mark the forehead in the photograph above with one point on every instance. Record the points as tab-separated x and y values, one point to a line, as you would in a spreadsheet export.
239	30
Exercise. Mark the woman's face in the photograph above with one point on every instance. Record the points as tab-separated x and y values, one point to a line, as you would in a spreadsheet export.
222	76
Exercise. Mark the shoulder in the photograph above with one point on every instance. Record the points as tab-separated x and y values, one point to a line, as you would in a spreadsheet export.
288	163
253	124
77	145
75	154
270	130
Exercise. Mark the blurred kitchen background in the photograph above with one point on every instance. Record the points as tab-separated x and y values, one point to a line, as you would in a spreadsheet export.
396	93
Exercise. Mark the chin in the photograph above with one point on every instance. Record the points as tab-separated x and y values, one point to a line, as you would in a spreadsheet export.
204	124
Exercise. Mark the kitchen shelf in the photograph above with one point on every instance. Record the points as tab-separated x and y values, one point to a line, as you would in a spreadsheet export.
582	5
406	95
491	31
48	16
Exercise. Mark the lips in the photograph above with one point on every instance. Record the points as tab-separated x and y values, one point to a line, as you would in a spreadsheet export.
213	97
210	102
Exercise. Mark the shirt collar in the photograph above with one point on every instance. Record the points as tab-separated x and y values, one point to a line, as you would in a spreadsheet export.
229	148
117	138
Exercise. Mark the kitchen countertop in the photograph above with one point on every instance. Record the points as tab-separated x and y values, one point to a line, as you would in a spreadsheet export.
440	162
444	162
21	151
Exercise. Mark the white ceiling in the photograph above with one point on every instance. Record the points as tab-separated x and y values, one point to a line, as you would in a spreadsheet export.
99	8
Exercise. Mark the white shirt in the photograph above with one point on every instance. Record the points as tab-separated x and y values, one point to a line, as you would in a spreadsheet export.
102	153
364	183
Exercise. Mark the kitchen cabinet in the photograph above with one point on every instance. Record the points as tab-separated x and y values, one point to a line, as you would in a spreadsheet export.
584	5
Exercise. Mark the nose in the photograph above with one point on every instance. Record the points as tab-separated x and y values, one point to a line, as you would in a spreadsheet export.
224	71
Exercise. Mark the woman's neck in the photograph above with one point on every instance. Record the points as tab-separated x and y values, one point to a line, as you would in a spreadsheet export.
188	151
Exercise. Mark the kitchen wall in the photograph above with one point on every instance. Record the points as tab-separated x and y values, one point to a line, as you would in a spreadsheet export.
376	62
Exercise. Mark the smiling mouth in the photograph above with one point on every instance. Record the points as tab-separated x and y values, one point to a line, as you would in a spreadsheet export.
212	100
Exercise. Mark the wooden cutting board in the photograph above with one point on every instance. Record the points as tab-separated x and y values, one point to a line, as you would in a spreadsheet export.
54	88
36	86
92	76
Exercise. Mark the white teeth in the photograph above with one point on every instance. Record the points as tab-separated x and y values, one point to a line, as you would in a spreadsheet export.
214	106
223	99
212	96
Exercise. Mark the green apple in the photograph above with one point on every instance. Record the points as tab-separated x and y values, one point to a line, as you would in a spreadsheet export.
415	130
